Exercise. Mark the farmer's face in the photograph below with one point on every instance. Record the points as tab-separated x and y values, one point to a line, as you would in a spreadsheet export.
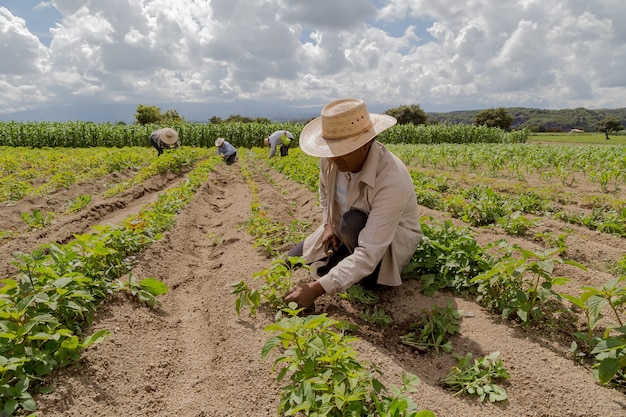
352	162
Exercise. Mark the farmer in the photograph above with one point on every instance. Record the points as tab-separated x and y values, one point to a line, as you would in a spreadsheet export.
284	137
164	138
370	227
228	151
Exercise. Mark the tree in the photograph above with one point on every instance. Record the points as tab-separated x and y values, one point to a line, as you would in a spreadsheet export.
408	114
147	114
494	118
172	116
608	125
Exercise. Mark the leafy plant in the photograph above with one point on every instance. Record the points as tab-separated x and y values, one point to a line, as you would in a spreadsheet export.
79	203
376	316
515	223
447	257
359	294
521	284
478	377
431	331
37	219
325	376
277	281
146	290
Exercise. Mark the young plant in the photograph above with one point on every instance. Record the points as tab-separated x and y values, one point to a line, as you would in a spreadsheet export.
277	281
431	331
37	219
521	284
516	224
325	376
358	294
376	316
478	377
79	203
146	290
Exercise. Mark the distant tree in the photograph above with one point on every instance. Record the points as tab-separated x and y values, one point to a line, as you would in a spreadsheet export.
215	120
608	125
171	117
147	114
408	114
494	118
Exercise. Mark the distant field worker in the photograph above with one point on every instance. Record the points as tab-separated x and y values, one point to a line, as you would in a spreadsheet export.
282	137
228	151
165	138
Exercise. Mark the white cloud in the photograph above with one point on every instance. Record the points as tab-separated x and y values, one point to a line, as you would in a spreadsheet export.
475	54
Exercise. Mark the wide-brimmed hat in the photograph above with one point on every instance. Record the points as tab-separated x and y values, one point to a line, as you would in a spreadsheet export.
219	141
344	126
168	136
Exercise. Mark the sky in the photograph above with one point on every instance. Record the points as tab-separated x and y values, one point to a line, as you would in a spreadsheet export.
442	55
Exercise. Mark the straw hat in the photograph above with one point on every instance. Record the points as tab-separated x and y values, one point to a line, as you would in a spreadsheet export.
344	126
168	136
219	141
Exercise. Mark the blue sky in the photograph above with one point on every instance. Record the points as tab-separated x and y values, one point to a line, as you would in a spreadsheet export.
445	55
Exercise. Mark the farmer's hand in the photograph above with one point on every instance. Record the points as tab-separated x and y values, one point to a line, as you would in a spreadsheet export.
330	241
304	294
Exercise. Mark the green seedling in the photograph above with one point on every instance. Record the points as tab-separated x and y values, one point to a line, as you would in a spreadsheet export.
79	203
432	330
478	377
37	219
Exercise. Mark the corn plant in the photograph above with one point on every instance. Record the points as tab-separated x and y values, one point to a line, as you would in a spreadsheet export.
326	377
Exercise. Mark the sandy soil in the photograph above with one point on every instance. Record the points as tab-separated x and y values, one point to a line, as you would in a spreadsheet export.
195	357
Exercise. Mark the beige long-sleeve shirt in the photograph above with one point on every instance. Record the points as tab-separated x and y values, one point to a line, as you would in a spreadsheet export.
392	232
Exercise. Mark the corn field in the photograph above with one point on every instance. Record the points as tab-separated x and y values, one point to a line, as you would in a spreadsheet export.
246	135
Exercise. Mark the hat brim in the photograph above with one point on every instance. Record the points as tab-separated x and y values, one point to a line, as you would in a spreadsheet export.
170	140
313	143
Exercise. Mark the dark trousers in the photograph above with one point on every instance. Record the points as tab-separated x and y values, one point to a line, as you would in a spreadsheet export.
351	224
157	147
284	150
231	159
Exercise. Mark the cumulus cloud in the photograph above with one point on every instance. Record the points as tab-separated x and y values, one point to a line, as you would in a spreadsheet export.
442	55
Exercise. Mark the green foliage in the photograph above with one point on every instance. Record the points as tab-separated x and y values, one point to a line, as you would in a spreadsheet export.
276	282
516	223
151	114
408	114
521	283
325	376
38	219
478	377
78	204
609	125
376	316
499	118
147	114
447	257
432	329
359	294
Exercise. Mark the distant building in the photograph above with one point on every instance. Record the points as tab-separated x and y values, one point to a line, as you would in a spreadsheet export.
577	131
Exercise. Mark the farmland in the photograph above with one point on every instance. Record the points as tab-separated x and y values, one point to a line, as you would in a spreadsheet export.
195	356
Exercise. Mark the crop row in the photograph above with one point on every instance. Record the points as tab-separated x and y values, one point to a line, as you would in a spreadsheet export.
247	135
47	304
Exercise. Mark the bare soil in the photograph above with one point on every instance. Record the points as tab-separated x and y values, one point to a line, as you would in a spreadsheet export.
195	357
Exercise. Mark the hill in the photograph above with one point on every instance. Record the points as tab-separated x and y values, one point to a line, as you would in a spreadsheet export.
540	120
